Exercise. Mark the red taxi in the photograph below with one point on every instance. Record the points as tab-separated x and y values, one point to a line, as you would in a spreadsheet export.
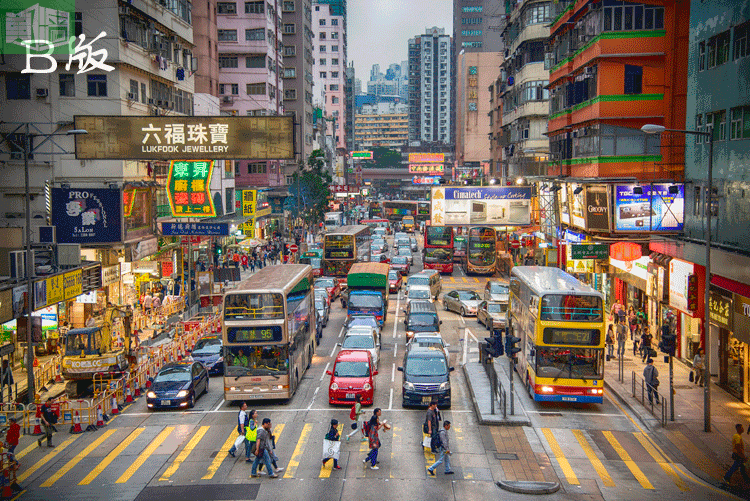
353	374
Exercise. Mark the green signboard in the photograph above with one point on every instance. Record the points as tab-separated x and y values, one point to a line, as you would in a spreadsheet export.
590	251
188	188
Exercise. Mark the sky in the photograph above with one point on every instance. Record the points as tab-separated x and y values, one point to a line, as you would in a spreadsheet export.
378	31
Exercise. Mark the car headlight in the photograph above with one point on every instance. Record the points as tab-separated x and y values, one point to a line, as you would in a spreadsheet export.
408	386
151	394
334	386
445	386
367	387
182	393
548	389
409	333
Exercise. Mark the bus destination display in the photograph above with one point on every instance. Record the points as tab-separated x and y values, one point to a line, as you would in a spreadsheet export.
254	334
576	337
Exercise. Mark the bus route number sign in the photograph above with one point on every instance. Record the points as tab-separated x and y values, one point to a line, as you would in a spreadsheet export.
254	334
577	337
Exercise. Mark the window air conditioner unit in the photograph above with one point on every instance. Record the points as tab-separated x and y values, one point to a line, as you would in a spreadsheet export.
42	92
227	99
18	264
131	96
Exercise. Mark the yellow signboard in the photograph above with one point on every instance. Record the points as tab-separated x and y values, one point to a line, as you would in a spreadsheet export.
72	284
55	289
248	202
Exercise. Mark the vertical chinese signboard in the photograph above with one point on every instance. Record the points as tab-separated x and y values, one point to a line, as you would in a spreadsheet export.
472	94
248	203
188	188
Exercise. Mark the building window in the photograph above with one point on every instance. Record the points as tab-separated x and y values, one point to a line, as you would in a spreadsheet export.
334	74
537	14
255	61
290	29
226	8
68	85
742	40
288	6
97	85
322	48
702	56
78	26
334	22
718	49
322	22
631	17
334	100
471	33
633	79
143	93
255	7
228	62
334	62
290	50
740	127
322	62
255	34
334	48
322	35
717	124
227	35
17	86
290	94
335	35
323	74
256	168
133	90
699	128
290	73
256	89
333	87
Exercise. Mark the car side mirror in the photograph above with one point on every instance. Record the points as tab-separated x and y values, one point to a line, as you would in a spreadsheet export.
401	369
374	373
196	378
328	372
447	345
338	344
451	369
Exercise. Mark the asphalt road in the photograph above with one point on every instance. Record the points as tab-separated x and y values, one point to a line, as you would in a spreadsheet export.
594	451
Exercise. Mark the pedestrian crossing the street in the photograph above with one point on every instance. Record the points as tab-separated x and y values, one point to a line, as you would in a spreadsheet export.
190	453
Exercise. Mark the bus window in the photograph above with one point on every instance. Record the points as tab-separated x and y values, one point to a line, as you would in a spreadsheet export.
574	363
258	306
569	307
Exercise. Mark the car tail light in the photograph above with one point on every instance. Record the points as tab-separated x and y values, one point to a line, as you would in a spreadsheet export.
548	389
596	391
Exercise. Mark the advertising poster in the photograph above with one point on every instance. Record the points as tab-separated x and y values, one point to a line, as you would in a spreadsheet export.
564	209
509	206
188	188
655	209
84	215
679	271
576	205
597	208
427	169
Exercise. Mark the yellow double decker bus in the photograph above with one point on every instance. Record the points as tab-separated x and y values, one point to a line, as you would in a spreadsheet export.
560	322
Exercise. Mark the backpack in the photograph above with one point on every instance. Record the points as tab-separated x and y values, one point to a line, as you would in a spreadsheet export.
425	426
366	427
353	412
436	442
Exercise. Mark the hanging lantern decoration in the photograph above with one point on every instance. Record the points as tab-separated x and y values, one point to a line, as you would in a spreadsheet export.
625	251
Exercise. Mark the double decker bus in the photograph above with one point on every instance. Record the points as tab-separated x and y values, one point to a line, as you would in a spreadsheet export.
344	247
423	211
376	211
313	257
560	322
268	333
480	251
395	210
459	249
438	248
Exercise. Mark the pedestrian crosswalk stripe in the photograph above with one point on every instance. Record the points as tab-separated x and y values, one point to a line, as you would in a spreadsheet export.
46	459
77	459
326	469
661	461
111	457
28	449
620	450
695	454
364	449
595	461
464	279
429	457
561	459
184	453
476	279
145	455
297	454
396	440
220	456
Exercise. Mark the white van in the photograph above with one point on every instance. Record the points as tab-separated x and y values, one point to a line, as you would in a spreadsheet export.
427	278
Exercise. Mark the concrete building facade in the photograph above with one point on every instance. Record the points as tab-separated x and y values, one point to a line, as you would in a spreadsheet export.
389	130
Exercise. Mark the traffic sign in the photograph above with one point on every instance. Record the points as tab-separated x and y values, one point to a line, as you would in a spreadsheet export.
293	248
515	244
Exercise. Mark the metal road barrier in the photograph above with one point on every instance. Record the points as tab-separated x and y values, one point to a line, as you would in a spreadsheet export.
640	391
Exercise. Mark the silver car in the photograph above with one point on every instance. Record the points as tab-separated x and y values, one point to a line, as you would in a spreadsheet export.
429	339
462	301
414	246
495	290
492	314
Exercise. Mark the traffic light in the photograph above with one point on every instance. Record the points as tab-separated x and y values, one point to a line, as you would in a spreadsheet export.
510	346
668	343
495	344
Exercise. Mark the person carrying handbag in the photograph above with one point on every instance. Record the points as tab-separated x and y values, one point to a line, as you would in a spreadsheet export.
241	422
651	376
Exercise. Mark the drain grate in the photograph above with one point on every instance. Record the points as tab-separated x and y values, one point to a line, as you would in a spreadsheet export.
550	414
506	456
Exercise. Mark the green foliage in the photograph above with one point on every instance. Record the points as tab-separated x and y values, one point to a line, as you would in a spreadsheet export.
383	158
311	188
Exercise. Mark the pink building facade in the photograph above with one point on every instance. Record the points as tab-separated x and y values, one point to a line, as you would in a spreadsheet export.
329	69
250	74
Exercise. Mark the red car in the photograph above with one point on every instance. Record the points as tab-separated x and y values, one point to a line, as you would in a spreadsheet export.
395	281
353	374
400	264
330	284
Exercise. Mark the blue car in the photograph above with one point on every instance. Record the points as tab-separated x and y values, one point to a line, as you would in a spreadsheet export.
177	385
208	352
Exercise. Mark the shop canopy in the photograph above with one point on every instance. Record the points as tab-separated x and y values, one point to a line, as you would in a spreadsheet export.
252	242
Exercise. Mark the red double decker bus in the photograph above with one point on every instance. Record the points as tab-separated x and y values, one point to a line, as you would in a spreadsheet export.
438	248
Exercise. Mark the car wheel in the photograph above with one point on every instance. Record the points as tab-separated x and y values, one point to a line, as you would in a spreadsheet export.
463	312
445	304
191	402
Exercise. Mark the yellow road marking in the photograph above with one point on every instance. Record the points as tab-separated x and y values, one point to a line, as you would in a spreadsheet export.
660	460
291	469
476	279
46	459
694	454
464	279
396	440
364	448
28	449
429	457
595	462
561	459
183	455
18	495
220	456
637	473
453	280
111	457
326	469
77	459
145	455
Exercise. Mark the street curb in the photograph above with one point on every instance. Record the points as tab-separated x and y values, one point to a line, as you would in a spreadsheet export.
477	412
624	402
525	487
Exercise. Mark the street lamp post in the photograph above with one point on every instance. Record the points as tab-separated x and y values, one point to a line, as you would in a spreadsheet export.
658	129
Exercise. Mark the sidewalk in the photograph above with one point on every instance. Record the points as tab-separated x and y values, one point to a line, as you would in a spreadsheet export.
707	455
479	388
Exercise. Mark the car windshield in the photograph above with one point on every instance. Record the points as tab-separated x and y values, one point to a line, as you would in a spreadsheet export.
417	319
497	307
419	293
363	320
365	302
173	374
320	294
468	296
426	366
427	342
392	275
404	251
565	362
207	347
325	282
351	369
399	260
498	289
320	304
254	360
358	341
419	281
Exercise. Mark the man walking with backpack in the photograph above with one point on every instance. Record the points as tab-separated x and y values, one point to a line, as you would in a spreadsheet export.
444	446
432	423
49	418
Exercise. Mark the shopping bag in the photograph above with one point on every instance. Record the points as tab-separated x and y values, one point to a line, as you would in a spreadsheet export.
238	441
331	449
691	378
426	441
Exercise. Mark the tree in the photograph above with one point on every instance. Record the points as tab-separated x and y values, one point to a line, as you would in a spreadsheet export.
310	189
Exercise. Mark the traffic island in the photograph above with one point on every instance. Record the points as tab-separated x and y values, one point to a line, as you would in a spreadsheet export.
526	487
479	389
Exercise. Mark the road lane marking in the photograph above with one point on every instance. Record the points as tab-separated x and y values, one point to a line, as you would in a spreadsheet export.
620	450
395	348
324	371
333	350
341	332
660	461
28	449
390	401
220	404
465	280
561	459
395	318
291	468
595	461
77	459
364	448
476	279
184	453
145	455
462	321
312	401
429	457
220	456
46	459
111	457
327	467
393	372
396	440
281	409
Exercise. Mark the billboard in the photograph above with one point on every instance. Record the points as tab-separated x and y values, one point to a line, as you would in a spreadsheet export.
562	195
654	209
427	169
184	138
248	203
576	205
87	215
470	205
188	186
597	208
425	180
362	155
417	158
